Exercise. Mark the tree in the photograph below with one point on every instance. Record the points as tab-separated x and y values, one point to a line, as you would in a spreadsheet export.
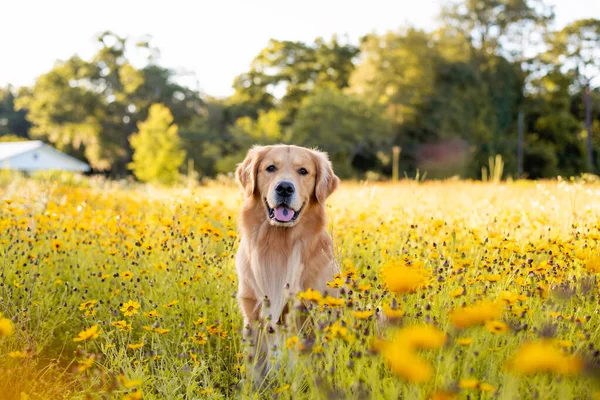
90	108
491	25
293	70
158	152
577	46
351	130
12	121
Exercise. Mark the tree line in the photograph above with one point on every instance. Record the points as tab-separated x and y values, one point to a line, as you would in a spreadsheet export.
494	78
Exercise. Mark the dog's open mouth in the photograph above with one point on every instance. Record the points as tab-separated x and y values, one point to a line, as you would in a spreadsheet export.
282	213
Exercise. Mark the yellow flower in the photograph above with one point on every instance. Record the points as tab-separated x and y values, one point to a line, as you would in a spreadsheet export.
310	295
200	338
136	346
151	314
17	354
362	314
405	363
199	321
282	389
496	327
171	304
291	342
161	331
592	264
476	314
465	341
401	278
130	308
332	302
122	325
543	356
486	387
421	337
87	304
127	275
137	395
129	383
468	383
6	327
85	364
392	311
443	395
56	244
87	334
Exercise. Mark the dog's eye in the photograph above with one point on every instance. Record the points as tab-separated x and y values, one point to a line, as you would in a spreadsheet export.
303	171
271	168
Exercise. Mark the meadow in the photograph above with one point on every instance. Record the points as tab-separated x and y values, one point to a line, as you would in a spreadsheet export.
449	290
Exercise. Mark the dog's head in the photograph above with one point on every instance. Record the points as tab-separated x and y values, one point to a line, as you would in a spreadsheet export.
287	180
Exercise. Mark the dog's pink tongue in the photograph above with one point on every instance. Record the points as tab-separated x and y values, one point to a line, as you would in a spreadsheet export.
283	214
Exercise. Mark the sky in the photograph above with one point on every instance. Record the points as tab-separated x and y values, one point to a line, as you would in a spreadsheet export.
212	41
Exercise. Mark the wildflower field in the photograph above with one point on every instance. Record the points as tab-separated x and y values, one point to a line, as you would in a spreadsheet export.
449	290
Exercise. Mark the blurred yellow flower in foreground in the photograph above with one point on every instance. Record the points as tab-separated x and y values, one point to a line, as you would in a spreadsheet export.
401	356
544	356
421	337
404	362
476	314
6	326
399	277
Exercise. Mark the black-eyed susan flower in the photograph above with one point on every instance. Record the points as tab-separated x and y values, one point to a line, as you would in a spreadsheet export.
135	346
130	308
496	327
127	275
171	304
88	334
88	304
310	295
122	325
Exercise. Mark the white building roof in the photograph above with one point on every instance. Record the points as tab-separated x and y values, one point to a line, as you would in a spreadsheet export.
11	149
35	155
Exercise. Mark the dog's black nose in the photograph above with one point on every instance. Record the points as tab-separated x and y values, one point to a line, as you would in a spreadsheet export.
285	189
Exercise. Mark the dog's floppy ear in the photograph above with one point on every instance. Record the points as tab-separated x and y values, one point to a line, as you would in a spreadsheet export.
326	181
246	171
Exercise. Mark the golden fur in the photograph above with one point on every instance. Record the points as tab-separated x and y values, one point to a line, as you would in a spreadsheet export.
276	260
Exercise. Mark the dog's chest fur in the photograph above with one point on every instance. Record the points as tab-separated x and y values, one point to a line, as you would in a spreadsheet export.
276	267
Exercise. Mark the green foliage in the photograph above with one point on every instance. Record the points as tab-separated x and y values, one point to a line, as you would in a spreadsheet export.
90	108
157	147
296	69
345	126
449	98
12	121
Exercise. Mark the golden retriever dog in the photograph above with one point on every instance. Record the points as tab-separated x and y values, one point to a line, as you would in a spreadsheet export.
284	246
